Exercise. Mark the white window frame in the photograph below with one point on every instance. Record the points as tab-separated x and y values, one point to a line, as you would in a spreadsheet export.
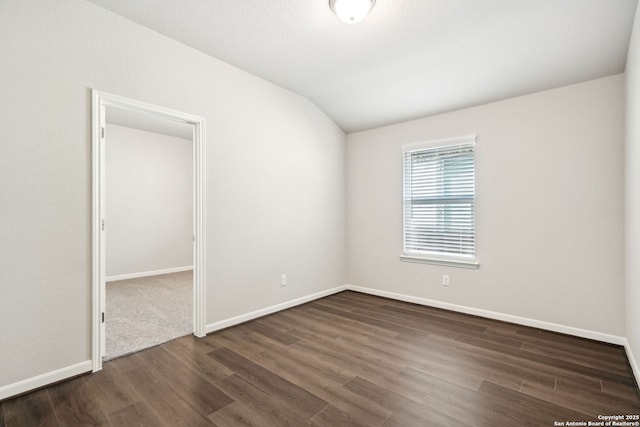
431	257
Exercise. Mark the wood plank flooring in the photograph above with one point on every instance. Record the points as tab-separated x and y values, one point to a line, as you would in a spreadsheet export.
347	360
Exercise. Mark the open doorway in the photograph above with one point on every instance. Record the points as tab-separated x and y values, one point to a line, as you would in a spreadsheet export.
148	232
139	241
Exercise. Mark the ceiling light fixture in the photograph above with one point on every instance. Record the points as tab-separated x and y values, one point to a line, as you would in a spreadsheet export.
351	11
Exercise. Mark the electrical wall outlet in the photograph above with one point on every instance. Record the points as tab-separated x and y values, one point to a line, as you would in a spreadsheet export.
445	280
283	280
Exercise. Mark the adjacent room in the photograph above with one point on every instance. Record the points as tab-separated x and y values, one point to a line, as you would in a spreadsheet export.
319	212
148	231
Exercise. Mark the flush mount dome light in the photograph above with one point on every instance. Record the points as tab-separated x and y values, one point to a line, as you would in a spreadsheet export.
351	11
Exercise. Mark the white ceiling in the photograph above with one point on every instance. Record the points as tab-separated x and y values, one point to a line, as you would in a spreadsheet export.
409	58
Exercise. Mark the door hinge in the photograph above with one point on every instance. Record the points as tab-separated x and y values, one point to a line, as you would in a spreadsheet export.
102	224
102	132
103	317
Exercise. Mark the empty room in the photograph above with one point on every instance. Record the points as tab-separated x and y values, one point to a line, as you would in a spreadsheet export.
377	213
148	198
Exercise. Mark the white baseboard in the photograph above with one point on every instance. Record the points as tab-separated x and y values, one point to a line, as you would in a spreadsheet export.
270	310
147	273
555	327
632	361
569	330
86	366
44	379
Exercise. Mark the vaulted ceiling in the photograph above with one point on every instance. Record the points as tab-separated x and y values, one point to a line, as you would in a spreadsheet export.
409	58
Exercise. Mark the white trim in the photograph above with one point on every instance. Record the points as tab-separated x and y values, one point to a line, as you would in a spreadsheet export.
632	361
199	228
524	321
147	273
100	100
555	327
86	366
450	262
97	241
418	146
273	309
32	383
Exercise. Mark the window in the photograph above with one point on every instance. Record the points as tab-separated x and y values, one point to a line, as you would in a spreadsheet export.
439	202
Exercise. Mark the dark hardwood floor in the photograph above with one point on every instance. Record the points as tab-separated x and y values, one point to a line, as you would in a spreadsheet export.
347	360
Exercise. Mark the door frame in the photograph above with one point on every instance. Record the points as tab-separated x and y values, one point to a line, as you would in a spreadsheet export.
100	101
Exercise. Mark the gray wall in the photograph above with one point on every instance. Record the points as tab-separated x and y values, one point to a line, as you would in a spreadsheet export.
550	188
149	201
632	194
549	212
275	175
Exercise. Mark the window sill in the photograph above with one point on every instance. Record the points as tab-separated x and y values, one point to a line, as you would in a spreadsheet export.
440	261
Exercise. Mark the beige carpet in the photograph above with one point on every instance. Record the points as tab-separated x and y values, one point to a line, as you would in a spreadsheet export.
141	313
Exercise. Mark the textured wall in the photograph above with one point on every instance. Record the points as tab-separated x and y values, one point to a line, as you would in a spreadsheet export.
632	194
275	175
149	201
549	211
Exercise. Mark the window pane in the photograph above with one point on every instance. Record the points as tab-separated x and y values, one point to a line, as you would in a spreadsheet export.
439	201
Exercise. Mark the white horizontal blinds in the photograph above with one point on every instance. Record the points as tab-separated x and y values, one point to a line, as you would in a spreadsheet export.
439	201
